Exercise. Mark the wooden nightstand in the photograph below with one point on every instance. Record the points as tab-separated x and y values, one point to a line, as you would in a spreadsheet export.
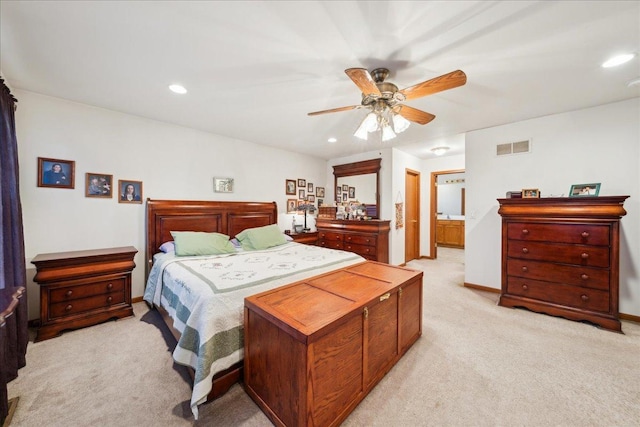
306	238
83	288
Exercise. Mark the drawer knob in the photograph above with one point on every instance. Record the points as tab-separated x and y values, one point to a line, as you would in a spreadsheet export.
584	277
525	231
584	298
69	293
585	255
585	234
109	299
525	287
525	250
525	269
68	308
110	286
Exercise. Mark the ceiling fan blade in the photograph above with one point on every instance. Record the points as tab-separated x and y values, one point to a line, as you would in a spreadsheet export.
335	110
363	80
438	84
413	114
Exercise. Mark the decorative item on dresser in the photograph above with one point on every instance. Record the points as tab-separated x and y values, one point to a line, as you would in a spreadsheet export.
560	256
83	288
315	348
369	239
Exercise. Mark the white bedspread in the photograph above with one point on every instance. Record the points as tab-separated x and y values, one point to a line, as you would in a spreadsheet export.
204	295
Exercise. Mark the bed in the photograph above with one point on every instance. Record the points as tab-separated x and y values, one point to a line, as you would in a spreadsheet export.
201	298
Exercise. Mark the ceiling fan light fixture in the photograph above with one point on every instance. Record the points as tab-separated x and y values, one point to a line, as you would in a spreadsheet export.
400	124
387	133
439	151
361	132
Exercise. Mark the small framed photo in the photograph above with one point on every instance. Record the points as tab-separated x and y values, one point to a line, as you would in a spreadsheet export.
98	185
320	202
530	193
292	205
345	196
130	191
302	183
56	173
319	191
352	192
290	189
345	187
298	228
581	190
311	199
338	199
338	190
309	188
300	194
223	185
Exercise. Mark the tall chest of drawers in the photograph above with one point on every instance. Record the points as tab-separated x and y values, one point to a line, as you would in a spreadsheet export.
369	239
83	288
560	256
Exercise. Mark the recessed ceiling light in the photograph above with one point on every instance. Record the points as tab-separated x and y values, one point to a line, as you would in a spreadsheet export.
618	60
332	139
178	89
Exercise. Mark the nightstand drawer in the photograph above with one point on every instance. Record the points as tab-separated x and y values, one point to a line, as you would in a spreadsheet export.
66	308
68	293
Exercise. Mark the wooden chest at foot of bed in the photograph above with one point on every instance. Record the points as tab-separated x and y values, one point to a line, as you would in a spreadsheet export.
315	348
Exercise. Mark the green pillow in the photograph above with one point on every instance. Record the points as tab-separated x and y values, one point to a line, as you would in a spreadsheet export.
200	243
261	237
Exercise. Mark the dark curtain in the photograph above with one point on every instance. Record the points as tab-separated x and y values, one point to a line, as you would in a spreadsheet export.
12	266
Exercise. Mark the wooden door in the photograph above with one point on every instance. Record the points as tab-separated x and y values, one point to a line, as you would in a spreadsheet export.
412	216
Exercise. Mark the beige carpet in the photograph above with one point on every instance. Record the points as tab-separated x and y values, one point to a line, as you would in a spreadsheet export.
477	364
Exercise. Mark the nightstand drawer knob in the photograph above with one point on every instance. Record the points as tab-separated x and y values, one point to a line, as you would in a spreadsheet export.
68	308
525	231
585	234
585	255
585	298
584	277
525	250
109	299
110	286
525	269
525	287
69	293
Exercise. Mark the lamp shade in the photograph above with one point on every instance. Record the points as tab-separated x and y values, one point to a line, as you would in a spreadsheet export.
400	124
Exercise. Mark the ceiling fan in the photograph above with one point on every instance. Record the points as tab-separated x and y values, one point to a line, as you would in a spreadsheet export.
384	100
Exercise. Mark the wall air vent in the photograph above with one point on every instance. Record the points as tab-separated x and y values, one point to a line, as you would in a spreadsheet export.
513	148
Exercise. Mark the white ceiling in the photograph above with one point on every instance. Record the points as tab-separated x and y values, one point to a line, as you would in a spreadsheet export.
255	69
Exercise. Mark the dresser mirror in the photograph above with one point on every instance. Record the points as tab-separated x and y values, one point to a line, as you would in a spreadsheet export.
362	181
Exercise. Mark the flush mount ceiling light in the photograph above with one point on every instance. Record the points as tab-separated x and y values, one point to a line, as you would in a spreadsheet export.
178	89
439	151
618	60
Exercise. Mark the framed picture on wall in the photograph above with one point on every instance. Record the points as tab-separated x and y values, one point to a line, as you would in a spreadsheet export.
302	183
345	187
292	205
352	192
309	188
311	199
319	191
130	191
300	194
290	189
98	185
223	185
56	173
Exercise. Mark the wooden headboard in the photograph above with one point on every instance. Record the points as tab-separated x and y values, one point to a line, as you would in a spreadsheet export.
230	218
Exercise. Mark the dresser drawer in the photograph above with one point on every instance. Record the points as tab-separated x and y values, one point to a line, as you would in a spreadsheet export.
333	244
366	251
594	256
589	277
359	239
568	295
66	308
586	234
330	236
68	293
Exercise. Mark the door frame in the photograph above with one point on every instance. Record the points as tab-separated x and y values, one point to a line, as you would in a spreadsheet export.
417	199
433	211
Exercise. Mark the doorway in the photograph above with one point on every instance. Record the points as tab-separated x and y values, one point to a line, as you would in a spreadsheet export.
412	214
434	212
